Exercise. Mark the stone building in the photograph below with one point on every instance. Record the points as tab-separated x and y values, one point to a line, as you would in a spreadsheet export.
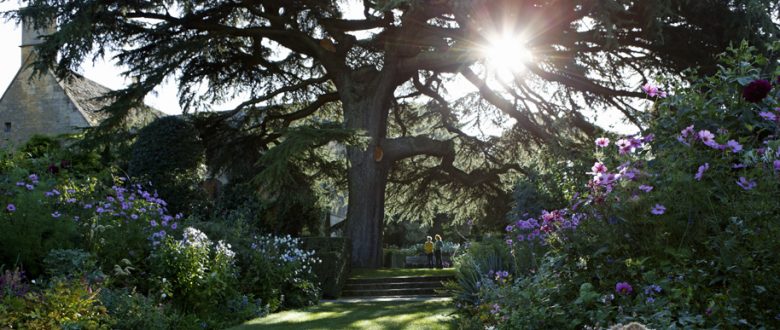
46	105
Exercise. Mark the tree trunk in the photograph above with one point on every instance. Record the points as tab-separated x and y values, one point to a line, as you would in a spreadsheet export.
365	215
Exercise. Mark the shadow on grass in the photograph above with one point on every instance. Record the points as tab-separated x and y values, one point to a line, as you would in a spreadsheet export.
362	315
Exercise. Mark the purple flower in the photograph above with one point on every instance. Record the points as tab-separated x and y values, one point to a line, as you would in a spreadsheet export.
734	146
701	171
650	300
602	142
10	208
707	138
768	115
134	216
100	210
29	187
510	228
56	214
756	91
509	242
658	209
776	164
174	225
153	223
738	166
70	200
746	184
33	177
624	146
646	188
87	206
20	184
623	288
48	194
652	288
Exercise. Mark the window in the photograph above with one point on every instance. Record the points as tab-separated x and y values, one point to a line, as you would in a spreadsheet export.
7	126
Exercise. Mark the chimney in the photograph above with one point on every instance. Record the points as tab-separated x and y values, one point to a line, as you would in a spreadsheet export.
31	37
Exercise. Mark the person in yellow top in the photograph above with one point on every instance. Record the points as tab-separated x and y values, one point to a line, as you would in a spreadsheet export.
428	248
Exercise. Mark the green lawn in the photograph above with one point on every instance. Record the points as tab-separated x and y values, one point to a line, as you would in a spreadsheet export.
434	315
391	272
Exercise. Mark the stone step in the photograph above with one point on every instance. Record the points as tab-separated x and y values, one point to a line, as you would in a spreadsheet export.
394	285
389	292
400	279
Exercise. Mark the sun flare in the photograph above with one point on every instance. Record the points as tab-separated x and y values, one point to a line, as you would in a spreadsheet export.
507	53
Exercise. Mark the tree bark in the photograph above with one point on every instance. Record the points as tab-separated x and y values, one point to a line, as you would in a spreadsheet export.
365	109
366	211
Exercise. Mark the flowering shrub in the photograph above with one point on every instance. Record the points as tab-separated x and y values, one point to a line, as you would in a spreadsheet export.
676	228
194	272
292	282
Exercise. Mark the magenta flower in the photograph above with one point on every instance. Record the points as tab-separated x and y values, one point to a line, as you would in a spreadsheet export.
623	288
746	184
646	188
734	146
756	91
602	142
10	208
701	171
658	209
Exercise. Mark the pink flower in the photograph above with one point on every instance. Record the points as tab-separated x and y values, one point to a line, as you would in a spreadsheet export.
598	167
646	188
602	142
701	171
653	91
658	209
746	184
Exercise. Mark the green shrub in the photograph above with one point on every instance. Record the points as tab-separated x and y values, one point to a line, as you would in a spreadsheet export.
168	152
135	311
72	263
676	230
64	305
334	254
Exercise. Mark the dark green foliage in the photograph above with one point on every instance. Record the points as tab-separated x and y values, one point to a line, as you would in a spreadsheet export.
169	153
68	264
133	311
334	252
40	145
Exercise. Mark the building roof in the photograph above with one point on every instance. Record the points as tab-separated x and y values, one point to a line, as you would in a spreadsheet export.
88	96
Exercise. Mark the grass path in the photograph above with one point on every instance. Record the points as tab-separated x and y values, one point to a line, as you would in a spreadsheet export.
391	272
392	315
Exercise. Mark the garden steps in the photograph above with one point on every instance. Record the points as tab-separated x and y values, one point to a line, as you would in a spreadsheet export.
400	286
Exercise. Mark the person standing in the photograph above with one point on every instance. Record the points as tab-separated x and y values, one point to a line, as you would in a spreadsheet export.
428	248
437	247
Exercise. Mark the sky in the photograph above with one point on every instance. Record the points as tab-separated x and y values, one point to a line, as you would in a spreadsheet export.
165	98
103	72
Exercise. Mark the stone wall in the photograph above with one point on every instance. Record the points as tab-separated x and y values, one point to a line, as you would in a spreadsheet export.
36	106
